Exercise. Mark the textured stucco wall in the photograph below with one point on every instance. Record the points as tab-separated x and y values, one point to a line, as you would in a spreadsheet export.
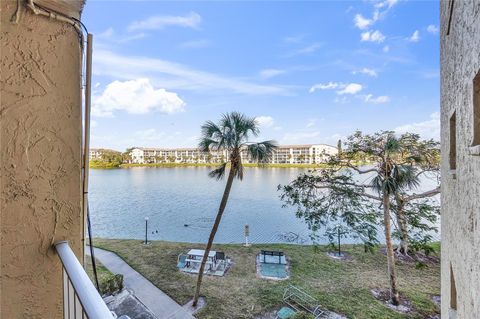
40	160
460	62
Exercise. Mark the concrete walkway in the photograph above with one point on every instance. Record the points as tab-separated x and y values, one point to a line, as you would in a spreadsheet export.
161	305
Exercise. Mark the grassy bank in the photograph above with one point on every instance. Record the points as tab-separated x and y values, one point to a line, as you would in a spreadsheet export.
340	286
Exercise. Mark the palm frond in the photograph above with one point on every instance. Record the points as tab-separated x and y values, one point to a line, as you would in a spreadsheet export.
262	152
377	184
207	144
392	144
219	172
405	177
239	172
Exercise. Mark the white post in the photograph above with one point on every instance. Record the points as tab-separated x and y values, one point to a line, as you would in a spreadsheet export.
247	233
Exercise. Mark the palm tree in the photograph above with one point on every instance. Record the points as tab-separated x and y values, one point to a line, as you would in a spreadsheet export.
391	178
232	134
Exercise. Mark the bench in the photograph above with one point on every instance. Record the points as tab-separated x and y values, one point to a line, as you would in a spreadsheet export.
299	300
272	253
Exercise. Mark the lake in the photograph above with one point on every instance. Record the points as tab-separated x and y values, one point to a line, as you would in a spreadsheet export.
181	203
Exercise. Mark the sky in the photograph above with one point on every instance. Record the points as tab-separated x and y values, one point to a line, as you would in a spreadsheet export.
310	72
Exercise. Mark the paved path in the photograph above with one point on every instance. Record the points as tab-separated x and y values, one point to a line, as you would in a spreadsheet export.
156	300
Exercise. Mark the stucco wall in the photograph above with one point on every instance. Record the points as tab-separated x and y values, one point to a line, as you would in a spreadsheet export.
40	160
460	62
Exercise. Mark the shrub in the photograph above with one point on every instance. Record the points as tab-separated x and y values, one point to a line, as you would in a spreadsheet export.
111	284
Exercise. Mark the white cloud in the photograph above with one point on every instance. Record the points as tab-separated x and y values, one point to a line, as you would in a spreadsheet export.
343	88
361	22
386	49
379	12
433	29
294	39
415	37
326	86
367	71
305	50
195	44
270	73
135	97
376	100
106	34
386	4
351	88
174	76
426	129
372	36
110	36
191	20
265	121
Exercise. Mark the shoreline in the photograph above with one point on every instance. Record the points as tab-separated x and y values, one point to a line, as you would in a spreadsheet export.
170	165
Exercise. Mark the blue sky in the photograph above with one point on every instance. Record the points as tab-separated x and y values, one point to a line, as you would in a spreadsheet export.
312	72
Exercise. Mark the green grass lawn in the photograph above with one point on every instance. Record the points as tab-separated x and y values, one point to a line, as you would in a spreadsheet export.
340	286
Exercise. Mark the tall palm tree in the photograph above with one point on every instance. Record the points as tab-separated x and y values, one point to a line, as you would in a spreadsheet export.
232	134
390	179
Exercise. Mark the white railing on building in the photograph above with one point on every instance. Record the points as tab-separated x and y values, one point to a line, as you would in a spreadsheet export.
80	298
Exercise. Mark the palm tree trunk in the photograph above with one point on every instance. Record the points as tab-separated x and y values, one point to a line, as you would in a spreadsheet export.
402	225
390	256
221	209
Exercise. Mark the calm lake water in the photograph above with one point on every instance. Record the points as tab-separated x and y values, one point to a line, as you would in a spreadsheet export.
171	198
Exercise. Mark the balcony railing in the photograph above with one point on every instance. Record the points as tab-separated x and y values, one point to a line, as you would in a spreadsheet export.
80	298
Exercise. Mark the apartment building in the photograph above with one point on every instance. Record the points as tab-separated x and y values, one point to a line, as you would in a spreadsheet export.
284	154
96	153
460	135
144	155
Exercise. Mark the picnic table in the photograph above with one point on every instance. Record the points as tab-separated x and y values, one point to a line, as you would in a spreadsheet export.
196	256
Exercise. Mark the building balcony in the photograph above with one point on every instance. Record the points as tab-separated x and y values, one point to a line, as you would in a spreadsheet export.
80	298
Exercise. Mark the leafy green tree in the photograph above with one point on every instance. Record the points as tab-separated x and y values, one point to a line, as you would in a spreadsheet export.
362	203
127	158
231	133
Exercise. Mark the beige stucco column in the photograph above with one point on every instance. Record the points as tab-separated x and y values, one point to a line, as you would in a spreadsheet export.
40	159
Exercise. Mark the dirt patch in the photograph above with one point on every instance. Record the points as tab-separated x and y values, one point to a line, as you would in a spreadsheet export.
383	295
342	256
193	310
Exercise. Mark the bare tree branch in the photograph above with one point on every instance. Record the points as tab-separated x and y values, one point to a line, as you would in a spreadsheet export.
426	194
